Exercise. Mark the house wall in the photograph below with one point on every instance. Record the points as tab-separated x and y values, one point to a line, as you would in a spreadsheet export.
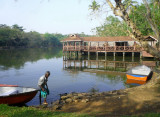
130	43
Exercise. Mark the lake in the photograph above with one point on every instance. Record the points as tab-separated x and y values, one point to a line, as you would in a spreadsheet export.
24	67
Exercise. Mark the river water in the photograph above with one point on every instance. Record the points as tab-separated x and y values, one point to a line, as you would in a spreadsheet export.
23	67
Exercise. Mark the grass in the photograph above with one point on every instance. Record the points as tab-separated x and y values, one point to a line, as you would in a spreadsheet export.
10	111
145	115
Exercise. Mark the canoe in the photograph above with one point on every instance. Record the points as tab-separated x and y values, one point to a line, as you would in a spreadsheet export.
12	95
141	73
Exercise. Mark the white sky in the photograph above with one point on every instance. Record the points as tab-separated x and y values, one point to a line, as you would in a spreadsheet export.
53	16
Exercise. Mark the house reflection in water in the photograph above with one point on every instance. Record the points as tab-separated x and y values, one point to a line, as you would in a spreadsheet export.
120	64
98	64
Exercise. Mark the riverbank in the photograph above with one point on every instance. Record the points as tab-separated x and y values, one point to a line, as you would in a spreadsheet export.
143	100
10	111
131	101
25	47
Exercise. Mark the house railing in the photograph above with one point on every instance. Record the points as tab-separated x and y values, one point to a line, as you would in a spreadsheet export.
103	49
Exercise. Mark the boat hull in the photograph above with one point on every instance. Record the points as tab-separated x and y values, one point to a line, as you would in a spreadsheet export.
6	85
20	98
135	82
137	77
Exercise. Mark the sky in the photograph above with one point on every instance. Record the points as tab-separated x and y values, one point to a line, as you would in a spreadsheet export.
52	16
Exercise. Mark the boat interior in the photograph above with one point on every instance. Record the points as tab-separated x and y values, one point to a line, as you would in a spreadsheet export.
5	91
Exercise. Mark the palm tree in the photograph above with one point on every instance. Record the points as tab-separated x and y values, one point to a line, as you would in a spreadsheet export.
94	6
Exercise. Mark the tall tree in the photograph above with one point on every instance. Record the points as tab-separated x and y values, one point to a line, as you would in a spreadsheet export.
119	10
112	27
17	27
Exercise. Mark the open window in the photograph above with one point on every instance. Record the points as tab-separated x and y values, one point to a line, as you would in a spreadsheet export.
121	43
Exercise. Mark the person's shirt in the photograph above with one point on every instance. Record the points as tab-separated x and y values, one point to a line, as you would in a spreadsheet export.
42	81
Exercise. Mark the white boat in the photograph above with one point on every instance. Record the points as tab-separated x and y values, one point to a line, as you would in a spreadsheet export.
16	95
138	73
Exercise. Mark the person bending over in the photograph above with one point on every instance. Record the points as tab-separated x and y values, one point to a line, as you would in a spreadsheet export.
42	83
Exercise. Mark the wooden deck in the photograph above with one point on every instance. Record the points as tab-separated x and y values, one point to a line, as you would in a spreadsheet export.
102	49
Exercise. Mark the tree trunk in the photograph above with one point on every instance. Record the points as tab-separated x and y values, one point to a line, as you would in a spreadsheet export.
135	32
152	24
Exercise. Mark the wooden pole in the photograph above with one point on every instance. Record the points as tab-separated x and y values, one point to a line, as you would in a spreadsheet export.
132	56
114	54
123	56
105	55
88	55
97	55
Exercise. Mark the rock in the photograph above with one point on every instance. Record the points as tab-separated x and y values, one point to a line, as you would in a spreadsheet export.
69	100
84	94
88	96
76	97
63	97
79	94
56	102
76	101
69	95
57	107
114	92
85	100
64	94
75	94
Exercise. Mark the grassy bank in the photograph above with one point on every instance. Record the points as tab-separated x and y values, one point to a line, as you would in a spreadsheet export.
145	115
8	111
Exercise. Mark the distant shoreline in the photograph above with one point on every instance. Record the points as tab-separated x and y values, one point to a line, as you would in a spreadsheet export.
21	47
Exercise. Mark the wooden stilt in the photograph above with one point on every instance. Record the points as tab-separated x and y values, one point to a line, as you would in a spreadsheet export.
105	55
88	55
114	54
96	55
132	56
123	56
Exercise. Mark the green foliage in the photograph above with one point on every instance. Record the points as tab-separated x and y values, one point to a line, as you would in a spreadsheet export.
10	36
82	34
7	111
112	27
14	36
60	36
138	17
129	4
94	6
50	40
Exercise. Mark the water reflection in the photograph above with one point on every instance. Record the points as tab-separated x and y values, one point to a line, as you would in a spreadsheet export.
23	67
110	68
109	65
17	58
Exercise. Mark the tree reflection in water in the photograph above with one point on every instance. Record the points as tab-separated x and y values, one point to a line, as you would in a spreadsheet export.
17	58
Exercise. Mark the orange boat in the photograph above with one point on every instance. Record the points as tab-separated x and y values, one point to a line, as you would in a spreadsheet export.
140	82
12	95
139	73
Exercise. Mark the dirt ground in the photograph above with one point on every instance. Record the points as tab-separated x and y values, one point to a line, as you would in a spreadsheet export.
136	100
